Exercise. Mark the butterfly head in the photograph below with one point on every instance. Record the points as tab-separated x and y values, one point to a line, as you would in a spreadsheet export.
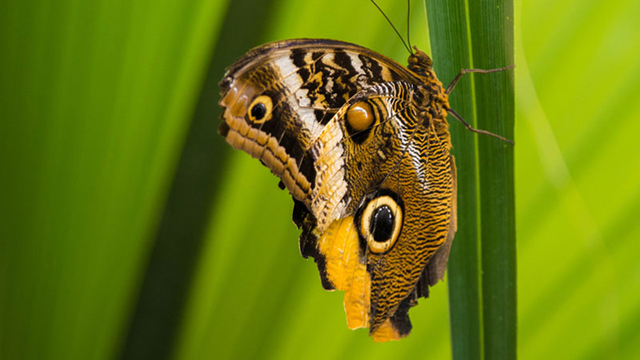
419	62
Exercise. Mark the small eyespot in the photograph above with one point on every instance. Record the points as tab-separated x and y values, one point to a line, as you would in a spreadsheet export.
380	224
360	116
260	109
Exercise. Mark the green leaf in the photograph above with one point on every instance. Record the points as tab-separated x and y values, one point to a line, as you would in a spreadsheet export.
101	252
95	98
479	34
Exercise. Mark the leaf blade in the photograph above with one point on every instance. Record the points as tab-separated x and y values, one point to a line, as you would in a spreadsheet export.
476	271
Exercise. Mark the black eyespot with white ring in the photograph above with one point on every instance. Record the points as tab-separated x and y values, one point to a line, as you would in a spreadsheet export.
260	109
379	221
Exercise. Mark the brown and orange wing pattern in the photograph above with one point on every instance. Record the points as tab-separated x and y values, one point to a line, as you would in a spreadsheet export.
362	145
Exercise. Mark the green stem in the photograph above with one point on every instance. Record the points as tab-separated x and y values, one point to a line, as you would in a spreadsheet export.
479	34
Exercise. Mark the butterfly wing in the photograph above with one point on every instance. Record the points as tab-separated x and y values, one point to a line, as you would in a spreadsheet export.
375	204
403	178
297	86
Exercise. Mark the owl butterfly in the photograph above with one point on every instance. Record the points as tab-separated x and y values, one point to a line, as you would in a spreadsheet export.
363	146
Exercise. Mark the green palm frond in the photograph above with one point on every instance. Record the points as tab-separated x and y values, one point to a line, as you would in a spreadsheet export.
129	230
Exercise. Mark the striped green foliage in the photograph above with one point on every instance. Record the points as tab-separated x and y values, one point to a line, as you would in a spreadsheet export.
108	112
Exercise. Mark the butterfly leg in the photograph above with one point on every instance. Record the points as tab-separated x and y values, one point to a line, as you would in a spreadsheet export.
477	131
479	71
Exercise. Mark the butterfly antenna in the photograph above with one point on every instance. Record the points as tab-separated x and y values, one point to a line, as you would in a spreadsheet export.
394	28
408	21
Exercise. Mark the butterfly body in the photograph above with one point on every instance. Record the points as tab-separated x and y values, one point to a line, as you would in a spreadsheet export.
363	146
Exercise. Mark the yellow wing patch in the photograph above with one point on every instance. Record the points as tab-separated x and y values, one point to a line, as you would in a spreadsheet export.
347	271
340	248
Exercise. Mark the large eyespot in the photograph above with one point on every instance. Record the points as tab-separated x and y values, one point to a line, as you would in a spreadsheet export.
260	109
380	223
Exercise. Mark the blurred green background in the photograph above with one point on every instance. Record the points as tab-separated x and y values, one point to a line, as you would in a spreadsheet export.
130	230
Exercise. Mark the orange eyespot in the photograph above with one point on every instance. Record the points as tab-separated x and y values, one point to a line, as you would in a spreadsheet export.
381	223
260	109
360	116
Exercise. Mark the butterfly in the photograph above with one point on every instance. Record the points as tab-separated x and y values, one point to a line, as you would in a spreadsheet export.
362	144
